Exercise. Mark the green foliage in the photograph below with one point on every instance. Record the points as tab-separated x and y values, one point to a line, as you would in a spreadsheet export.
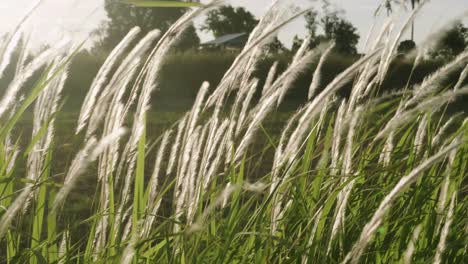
451	43
123	16
334	28
406	46
229	20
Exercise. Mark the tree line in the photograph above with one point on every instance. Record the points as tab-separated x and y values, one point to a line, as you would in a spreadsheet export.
227	20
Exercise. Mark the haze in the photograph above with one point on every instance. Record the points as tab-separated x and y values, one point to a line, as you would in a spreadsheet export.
56	19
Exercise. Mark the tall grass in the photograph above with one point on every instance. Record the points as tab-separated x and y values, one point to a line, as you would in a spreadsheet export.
362	179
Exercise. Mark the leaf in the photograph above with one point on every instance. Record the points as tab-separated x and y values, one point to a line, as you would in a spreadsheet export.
149	3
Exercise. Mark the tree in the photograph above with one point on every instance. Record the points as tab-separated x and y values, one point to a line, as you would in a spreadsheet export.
451	43
334	28
297	42
228	20
122	17
406	46
343	32
275	46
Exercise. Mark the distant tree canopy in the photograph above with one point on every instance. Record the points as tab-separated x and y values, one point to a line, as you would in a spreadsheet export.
122	17
452	42
406	46
334	28
228	20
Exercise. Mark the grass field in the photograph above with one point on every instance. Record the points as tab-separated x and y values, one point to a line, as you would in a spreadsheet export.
370	177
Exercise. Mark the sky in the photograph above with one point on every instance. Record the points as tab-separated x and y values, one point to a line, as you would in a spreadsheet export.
58	19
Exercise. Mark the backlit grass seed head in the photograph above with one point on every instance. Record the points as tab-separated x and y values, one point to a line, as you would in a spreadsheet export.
317	77
10	95
176	145
102	77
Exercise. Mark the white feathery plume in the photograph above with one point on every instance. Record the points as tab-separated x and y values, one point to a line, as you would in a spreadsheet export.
445	231
336	143
10	95
22	200
148	75
462	78
188	134
197	108
247	74
270	23
176	144
386	28
369	35
12	40
195	181
123	76
219	201
298	137
270	78
420	135
223	148
129	156
245	105
430	104
181	186
153	67
101	77
293	72
433	82
316	105
14	209
153	203
62	252
393	46
362	87
285	80
438	137
344	194
129	251
317	78
109	157
153	183
212	145
258	117
280	158
257	187
8	53
212	126
128	225
23	56
386	155
45	107
371	227
265	106
82	161
444	190
109	102
302	49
